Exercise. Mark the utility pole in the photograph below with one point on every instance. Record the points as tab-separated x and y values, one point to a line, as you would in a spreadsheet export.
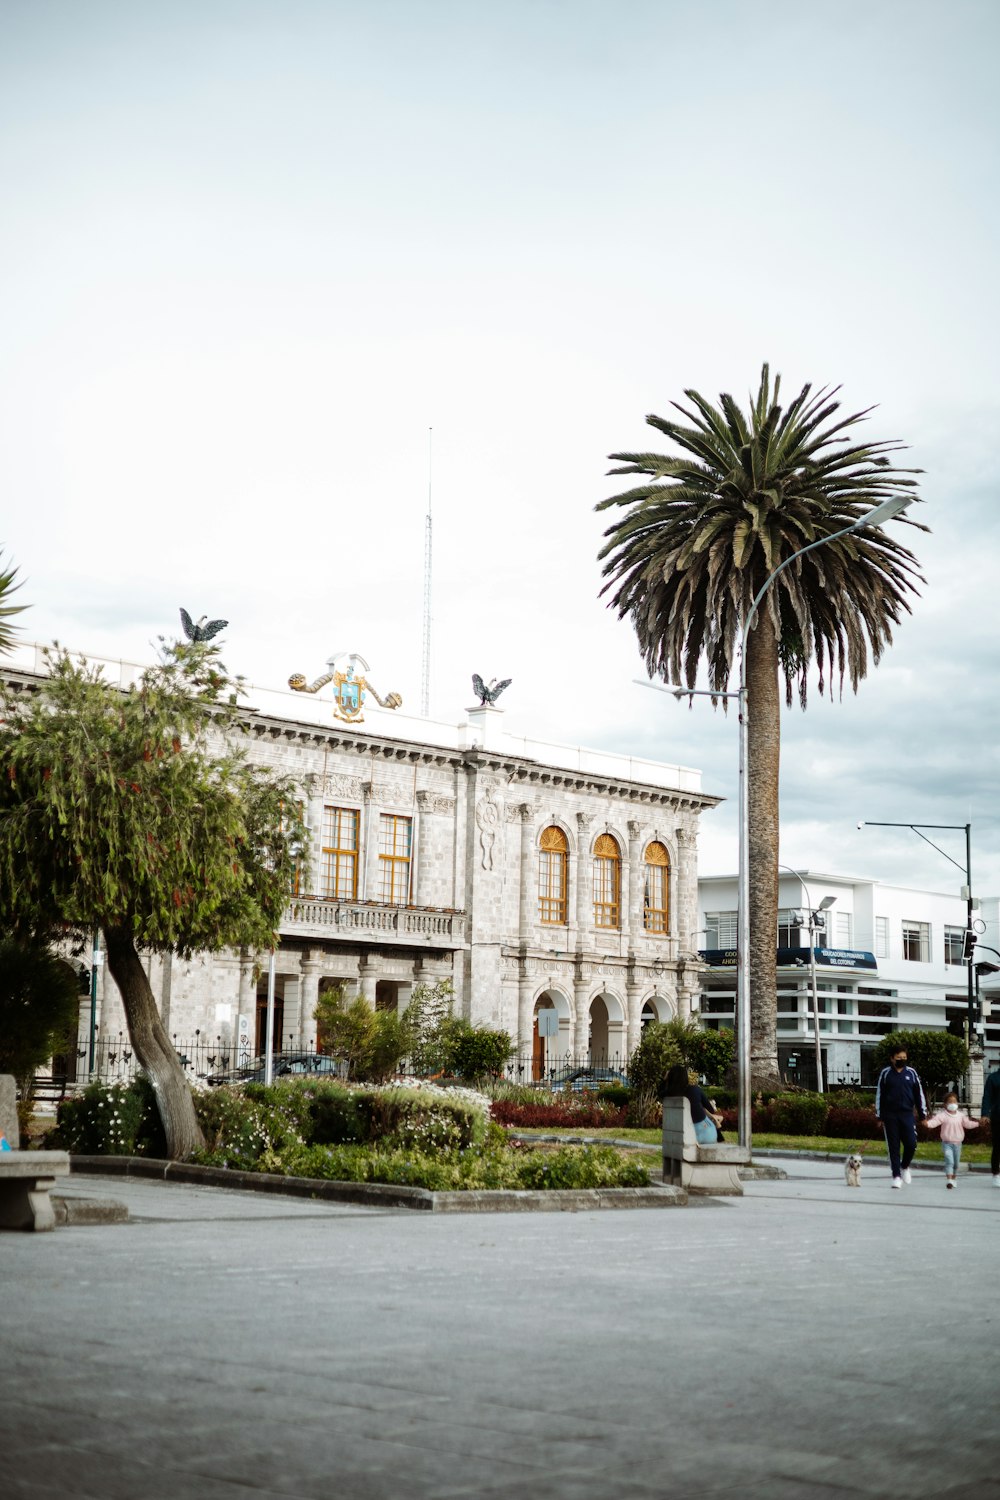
425	674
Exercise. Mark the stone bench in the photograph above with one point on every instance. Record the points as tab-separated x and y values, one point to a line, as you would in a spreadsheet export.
713	1170
26	1181
26	1177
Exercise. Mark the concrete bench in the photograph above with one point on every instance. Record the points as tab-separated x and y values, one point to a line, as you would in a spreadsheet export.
26	1177
713	1170
26	1181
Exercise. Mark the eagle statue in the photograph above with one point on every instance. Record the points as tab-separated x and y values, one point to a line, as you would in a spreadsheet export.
205	628
489	694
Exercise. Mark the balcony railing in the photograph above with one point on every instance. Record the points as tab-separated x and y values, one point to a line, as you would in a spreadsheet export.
411	926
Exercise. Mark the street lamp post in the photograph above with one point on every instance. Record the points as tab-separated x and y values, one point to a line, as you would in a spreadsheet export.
884	512
814	928
970	936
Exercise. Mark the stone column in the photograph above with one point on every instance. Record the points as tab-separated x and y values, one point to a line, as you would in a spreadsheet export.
525	1021
367	980
528	886
584	877
581	1030
247	993
684	918
308	996
368	887
291	1035
633	891
633	991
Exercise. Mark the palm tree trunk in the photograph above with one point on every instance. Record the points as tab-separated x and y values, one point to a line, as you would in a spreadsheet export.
763	759
152	1046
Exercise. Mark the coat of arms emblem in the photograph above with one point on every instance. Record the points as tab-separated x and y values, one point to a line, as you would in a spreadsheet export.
349	686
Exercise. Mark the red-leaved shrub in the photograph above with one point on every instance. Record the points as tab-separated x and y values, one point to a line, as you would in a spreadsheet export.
563	1114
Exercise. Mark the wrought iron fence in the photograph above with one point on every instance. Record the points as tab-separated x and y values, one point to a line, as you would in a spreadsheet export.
570	1070
211	1060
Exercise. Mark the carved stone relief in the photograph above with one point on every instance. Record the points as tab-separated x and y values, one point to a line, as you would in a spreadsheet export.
337	785
489	813
432	802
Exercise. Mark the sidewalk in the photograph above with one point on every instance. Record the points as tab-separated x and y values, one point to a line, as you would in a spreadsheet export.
806	1340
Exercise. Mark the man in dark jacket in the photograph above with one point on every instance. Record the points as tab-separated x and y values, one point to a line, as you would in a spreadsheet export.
991	1111
899	1101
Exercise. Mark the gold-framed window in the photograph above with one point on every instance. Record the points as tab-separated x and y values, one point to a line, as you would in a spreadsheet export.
553	871
607	882
394	842
656	895
340	853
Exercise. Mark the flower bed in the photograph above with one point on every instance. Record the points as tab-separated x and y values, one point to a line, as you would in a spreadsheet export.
408	1133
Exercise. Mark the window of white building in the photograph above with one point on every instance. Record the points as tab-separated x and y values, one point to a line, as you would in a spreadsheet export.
954	938
340	853
656	894
917	942
607	882
881	937
843	929
394	859
721	929
789	931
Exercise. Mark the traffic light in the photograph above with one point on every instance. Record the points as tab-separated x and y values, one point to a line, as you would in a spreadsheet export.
83	980
968	945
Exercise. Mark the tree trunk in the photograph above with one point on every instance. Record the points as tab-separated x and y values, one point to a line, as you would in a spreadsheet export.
152	1046
763	759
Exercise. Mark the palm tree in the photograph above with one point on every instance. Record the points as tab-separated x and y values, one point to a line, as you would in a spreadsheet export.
697	542
8	631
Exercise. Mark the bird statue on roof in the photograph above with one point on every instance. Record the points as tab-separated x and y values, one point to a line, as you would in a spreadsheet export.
491	693
205	628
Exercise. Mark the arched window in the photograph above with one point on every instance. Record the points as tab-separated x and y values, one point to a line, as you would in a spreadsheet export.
656	898
607	882
553	863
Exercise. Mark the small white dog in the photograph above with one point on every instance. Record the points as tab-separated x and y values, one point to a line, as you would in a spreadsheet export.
852	1170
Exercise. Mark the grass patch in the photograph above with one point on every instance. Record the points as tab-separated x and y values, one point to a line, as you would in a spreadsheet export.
768	1141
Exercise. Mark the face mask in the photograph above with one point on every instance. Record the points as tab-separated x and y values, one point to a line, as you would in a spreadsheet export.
899	1063
951	1108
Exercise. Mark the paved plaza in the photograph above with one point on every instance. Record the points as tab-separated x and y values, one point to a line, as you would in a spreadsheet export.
806	1340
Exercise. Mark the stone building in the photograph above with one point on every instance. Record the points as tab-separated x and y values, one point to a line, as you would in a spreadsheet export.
538	878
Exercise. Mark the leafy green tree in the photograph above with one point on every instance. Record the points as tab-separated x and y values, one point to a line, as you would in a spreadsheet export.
697	541
938	1057
373	1043
657	1052
709	1053
137	813
39	1005
432	1027
479	1052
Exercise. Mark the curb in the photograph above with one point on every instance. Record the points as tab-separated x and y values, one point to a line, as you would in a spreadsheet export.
75	1211
382	1195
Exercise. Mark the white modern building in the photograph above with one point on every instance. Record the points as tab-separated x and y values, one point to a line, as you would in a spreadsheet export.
889	956
555	887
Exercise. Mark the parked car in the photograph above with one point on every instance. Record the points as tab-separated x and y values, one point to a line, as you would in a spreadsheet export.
581	1080
284	1065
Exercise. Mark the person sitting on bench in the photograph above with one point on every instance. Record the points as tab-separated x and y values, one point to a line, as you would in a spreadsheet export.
679	1084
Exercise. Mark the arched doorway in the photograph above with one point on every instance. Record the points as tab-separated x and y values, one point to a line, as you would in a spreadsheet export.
655	1008
598	1040
550	1033
607	1043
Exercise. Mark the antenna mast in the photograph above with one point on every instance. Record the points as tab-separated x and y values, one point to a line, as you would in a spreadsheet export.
425	676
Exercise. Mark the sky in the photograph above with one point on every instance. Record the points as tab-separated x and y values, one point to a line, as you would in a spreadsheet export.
274	276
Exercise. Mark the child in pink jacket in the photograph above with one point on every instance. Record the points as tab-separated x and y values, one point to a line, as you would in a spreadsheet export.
954	1123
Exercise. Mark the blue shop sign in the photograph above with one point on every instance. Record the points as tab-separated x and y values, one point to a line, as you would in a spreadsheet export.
830	958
